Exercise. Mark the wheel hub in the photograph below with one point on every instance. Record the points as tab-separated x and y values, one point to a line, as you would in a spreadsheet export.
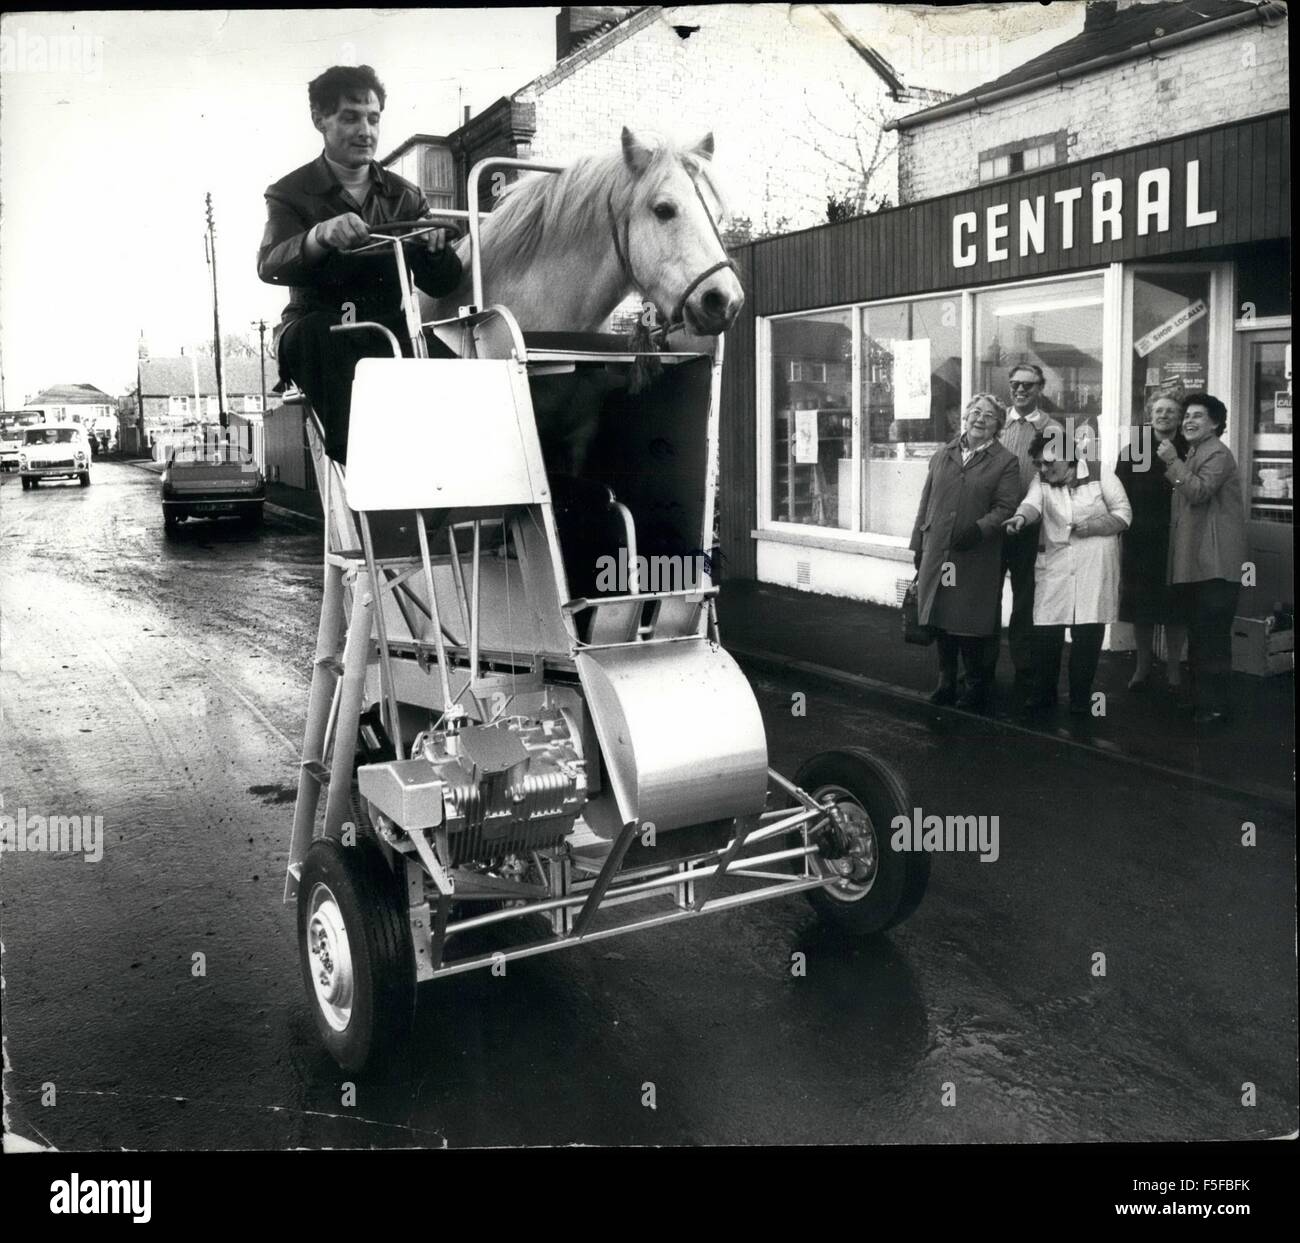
853	851
330	957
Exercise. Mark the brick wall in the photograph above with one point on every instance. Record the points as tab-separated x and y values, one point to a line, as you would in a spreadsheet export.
1229	77
744	74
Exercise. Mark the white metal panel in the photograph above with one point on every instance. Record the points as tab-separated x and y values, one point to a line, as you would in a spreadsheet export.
432	433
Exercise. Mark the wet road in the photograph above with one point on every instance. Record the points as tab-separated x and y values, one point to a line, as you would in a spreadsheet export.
161	684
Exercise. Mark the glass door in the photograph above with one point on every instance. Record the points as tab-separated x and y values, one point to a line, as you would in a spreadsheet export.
1265	441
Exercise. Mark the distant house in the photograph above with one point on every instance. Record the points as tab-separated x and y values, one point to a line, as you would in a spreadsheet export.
177	393
80	403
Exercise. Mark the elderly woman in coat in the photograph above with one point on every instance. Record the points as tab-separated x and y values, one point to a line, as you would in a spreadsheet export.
1207	548
970	491
1082	509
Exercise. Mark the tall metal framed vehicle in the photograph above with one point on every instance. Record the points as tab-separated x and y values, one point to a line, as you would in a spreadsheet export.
524	740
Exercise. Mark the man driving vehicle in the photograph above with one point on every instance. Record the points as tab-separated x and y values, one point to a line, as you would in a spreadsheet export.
315	216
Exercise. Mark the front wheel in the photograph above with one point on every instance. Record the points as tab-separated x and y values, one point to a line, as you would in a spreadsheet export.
876	886
354	945
84	478
27	483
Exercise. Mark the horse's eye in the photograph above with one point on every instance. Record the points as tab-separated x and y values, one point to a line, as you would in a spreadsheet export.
664	211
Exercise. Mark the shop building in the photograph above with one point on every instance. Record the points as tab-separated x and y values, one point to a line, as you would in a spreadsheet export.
1116	212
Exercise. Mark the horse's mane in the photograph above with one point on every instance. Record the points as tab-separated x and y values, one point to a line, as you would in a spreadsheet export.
544	213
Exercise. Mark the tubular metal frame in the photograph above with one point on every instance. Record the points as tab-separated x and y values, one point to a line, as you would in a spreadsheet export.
353	634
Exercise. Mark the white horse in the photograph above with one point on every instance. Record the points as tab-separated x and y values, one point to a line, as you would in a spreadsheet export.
562	250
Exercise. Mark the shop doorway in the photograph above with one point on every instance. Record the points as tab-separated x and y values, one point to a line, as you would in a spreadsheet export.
1263	442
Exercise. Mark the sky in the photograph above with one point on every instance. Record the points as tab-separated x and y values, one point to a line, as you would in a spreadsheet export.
110	140
115	125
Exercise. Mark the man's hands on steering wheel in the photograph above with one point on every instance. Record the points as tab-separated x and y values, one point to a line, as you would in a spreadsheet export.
343	232
350	232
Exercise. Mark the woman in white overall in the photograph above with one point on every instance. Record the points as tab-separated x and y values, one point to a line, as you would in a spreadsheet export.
1083	509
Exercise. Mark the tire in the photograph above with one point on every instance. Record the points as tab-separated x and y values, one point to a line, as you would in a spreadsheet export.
35	481
170	520
251	518
27	484
354	948
872	792
84	478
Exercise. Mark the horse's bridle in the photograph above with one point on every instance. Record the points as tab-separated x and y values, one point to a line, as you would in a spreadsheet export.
623	251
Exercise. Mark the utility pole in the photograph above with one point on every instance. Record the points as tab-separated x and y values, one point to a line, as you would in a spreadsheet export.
210	249
260	325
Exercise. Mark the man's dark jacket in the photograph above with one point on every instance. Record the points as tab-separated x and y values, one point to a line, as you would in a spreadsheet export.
311	194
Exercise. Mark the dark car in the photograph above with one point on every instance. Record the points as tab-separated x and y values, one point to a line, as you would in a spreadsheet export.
212	481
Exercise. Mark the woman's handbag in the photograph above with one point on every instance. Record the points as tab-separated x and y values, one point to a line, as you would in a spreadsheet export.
913	631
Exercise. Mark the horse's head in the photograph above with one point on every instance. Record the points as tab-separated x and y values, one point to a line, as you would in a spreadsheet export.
666	233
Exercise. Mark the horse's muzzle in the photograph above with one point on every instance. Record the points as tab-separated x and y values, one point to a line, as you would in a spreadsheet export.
714	304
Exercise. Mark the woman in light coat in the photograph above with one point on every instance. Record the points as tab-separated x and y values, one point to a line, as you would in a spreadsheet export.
1082	509
970	491
1207	549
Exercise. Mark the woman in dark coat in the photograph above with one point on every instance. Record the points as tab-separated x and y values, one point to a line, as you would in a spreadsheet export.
1145	598
972	488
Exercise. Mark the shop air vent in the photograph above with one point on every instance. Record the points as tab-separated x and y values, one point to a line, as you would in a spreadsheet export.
900	589
803	573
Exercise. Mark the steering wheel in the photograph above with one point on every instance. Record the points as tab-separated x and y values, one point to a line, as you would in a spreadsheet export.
384	240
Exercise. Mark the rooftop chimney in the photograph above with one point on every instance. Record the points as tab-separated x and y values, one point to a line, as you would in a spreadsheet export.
576	23
1099	14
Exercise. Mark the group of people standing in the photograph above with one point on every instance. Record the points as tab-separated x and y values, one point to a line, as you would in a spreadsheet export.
1157	541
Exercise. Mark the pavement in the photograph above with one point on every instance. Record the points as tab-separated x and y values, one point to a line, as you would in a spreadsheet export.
853	643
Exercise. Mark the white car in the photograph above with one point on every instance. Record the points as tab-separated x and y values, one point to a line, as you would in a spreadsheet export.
54	451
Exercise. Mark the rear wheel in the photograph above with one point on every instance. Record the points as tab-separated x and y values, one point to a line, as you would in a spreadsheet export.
251	517
170	520
355	951
876	887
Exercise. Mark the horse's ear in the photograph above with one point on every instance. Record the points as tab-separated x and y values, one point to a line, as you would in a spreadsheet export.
704	148
635	153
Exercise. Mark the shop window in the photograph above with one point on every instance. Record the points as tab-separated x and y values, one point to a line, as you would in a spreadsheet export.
812	418
1171	335
911	404
1058	327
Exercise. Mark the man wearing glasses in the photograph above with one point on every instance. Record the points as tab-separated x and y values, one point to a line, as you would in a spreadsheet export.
1025	420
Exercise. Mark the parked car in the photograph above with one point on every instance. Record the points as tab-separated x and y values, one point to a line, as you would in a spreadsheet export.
212	481
54	451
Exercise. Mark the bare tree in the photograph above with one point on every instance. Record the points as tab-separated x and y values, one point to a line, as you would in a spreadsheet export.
858	144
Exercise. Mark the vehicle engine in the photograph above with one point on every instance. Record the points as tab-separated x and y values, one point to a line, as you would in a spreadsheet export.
511	787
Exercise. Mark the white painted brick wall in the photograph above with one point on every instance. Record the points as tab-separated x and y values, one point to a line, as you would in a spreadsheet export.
1231	77
761	77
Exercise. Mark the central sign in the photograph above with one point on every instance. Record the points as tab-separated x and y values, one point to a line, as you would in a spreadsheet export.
1144	207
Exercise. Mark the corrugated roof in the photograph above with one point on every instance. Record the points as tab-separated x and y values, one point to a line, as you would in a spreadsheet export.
172	377
1129	28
